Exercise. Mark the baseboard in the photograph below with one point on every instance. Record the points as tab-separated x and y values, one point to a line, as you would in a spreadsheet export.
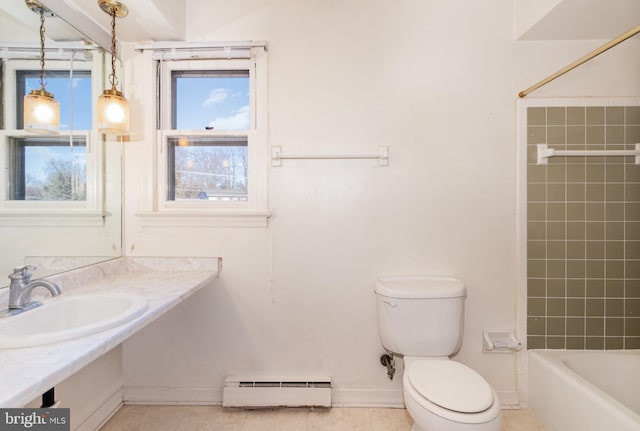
103	413
352	397
509	399
172	395
213	396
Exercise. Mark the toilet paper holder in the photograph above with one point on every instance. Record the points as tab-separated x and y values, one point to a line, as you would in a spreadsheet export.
499	342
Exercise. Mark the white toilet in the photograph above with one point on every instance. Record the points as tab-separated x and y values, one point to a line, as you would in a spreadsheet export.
421	318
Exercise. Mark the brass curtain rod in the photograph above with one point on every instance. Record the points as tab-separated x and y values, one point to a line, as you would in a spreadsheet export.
582	60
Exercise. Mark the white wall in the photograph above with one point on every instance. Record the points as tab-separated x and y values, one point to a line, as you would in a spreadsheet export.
434	80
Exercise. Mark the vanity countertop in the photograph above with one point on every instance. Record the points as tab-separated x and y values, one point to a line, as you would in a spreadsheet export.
26	373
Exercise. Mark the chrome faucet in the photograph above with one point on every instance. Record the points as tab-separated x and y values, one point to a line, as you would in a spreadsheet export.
21	287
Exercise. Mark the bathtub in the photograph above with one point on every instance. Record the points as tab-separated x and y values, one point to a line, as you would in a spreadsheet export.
585	390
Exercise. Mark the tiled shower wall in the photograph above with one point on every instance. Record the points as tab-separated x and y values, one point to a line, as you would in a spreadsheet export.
583	230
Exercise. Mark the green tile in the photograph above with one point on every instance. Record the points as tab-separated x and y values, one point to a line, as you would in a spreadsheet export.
595	173
555	268
575	268
575	343
595	115
556	249
595	249
595	288
614	268
576	211
576	115
556	211
536	249
632	287
536	192
575	307
632	342
595	136
594	211
536	326
632	308
556	325
536	135
614	173
536	342
632	192
556	192
632	269
614	114
537	211
536	307
536	116
576	288
536	268
556	287
576	135
576	249
614	250
537	173
594	343
615	231
613	343
536	230
632	173
556	306
555	342
556	230
632	249
594	326
594	307
614	192
595	230
614	134
632	134
576	192
614	211
632	114
614	288
556	115
614	308
576	173
632	327
595	192
536	287
556	173
632	211
556	137
576	230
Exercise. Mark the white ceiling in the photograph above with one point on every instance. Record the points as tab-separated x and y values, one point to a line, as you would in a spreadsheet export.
166	20
578	19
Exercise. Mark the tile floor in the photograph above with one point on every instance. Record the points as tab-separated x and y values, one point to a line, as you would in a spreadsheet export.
210	418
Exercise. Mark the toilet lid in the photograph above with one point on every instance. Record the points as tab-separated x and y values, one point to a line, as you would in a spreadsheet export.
451	385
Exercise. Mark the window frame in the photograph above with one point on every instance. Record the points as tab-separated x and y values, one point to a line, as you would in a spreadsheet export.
27	212
253	211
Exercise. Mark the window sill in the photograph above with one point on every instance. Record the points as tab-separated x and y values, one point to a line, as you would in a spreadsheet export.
43	218
204	219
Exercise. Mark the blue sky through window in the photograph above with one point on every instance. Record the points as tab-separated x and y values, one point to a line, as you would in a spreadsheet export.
209	101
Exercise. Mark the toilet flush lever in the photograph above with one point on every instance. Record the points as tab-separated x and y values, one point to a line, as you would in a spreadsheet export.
390	303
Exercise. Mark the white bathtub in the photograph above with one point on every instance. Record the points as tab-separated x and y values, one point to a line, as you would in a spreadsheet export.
585	390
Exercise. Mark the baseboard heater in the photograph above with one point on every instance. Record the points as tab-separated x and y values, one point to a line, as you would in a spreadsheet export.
289	392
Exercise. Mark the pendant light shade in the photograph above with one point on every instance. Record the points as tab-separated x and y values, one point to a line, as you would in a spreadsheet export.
113	113
113	107
41	111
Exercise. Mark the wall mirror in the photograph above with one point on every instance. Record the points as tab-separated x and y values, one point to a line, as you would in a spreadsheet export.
60	195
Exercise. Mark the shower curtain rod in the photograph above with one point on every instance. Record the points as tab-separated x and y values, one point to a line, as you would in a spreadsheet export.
582	60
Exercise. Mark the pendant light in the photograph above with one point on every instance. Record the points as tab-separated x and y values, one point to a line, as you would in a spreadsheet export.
41	110
113	107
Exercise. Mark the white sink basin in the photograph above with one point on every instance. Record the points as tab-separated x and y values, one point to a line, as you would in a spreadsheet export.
65	318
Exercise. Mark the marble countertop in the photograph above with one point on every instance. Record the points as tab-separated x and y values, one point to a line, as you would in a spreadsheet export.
26	373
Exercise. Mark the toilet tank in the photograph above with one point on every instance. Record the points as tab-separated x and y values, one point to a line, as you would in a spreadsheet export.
420	315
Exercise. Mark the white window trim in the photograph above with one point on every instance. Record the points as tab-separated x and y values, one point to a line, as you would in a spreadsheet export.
89	212
252	212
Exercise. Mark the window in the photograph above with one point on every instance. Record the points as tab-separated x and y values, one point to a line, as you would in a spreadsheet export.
56	173
213	141
47	169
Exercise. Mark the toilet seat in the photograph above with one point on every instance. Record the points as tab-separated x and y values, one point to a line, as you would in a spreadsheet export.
451	385
417	400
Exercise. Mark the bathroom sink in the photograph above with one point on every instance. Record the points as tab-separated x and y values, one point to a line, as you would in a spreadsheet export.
65	318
